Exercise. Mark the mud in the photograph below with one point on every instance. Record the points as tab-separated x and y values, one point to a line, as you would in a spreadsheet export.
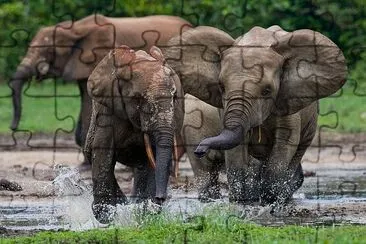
335	192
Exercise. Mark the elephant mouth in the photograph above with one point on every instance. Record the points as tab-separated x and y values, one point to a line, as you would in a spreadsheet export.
151	158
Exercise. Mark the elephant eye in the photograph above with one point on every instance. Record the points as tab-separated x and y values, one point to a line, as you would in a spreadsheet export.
266	91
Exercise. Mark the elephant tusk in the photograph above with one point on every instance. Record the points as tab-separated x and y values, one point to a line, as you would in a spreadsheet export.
175	167
259	134
149	152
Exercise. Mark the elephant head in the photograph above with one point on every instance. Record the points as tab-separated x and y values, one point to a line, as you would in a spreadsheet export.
142	89
69	50
264	72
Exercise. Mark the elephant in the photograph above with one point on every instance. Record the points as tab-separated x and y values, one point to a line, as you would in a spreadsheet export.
203	120
268	82
71	50
135	112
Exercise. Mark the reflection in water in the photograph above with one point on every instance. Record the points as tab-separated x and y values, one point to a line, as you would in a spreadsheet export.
333	196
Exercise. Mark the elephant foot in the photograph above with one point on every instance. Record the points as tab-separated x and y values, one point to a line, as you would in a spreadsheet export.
104	213
243	201
278	189
277	194
122	200
159	200
243	188
237	194
209	193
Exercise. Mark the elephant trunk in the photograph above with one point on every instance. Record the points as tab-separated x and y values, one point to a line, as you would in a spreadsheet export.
164	149
226	140
236	126
17	81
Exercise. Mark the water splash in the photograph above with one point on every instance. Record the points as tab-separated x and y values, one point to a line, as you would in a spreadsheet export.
71	208
77	197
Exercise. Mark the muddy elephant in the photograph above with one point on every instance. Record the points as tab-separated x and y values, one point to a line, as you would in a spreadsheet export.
268	82
71	50
136	114
202	120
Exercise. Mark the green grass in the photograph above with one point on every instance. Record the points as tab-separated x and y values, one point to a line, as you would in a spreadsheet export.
211	229
345	111
42	112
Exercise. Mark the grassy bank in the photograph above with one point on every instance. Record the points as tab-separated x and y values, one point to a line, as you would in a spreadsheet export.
203	230
49	106
344	111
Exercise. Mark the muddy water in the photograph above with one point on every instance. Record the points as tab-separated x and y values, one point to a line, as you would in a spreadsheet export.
334	195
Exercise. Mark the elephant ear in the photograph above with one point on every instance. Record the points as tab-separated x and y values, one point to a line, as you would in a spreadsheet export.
178	102
156	53
314	68
196	55
89	40
104	83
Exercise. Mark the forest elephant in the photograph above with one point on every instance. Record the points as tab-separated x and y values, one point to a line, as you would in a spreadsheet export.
136	113
268	82
202	120
71	50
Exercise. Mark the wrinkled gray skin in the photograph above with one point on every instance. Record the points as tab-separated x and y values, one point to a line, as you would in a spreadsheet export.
133	93
201	120
72	50
267	78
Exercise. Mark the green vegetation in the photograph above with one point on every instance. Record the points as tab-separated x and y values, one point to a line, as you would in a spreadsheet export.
212	229
43	112
345	111
343	21
46	107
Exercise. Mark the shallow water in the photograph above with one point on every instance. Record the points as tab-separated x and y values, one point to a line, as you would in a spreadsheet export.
334	196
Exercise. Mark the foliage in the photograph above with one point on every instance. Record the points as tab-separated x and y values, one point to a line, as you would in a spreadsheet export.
211	229
343	21
342	112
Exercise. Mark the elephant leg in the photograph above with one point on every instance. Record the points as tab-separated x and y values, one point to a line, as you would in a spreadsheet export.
297	179
206	171
253	179
121	197
202	120
295	165
209	187
82	125
237	168
282	164
104	182
144	183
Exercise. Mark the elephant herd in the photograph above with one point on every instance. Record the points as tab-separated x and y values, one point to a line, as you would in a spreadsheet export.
248	105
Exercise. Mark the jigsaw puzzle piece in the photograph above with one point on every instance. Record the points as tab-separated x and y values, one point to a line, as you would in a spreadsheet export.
357	74
18	38
70	9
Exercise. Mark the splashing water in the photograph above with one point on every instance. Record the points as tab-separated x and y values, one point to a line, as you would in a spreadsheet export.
77	198
71	208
